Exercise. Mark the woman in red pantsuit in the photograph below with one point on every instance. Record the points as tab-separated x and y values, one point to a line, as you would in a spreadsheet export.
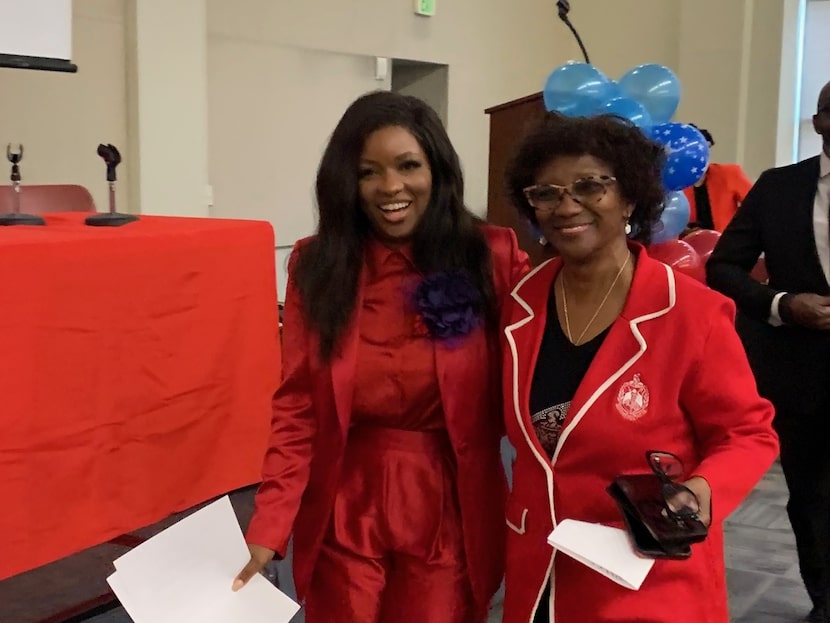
384	452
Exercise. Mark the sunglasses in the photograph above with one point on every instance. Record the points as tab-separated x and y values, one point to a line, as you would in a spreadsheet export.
584	191
679	501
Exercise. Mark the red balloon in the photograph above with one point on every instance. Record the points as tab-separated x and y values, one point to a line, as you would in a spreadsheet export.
703	241
681	256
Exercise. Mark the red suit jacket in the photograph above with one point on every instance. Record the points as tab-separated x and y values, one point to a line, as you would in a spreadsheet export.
312	409
675	342
727	186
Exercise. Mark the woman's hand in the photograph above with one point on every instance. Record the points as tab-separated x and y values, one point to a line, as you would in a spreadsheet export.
260	556
703	492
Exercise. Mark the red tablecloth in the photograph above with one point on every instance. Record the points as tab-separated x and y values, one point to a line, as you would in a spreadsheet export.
137	365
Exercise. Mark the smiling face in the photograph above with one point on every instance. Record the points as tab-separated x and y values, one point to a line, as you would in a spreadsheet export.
582	231
395	183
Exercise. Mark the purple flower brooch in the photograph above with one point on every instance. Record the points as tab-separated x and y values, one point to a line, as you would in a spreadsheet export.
449	304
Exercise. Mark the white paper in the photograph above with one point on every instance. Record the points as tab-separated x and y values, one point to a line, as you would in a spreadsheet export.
185	573
604	549
122	593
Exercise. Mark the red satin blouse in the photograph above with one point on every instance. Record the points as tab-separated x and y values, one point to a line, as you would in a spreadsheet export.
396	383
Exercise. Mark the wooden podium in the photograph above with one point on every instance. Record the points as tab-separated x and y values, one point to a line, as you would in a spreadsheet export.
508	123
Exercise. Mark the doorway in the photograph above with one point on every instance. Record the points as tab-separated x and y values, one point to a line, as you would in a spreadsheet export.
427	81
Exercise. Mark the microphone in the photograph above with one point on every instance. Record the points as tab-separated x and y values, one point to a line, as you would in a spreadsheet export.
112	158
16	217
564	7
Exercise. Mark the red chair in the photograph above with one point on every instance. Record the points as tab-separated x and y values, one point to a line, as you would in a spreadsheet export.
47	198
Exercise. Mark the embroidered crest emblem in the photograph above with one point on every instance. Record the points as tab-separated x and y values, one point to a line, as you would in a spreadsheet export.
632	399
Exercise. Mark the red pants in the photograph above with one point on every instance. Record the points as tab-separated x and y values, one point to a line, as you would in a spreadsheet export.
394	551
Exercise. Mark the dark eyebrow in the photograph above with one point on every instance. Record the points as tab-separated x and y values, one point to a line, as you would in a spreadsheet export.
400	157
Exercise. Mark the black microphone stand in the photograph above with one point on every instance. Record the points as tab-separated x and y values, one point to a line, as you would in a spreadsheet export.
564	6
112	158
15	217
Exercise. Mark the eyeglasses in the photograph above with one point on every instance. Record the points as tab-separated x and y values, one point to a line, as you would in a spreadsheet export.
585	191
679	502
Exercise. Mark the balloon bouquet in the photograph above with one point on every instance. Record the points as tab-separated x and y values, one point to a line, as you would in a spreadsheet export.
648	96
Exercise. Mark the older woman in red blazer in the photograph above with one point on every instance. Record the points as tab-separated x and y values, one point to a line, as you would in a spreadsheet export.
384	454
610	354
716	197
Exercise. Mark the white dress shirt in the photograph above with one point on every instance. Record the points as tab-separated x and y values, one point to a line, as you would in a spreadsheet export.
821	229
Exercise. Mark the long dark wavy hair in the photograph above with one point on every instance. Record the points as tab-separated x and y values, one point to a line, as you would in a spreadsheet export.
636	161
448	236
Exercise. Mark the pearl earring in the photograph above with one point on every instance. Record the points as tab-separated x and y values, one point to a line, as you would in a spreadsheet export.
627	228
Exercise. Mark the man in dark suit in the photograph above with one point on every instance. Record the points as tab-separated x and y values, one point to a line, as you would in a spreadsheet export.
785	326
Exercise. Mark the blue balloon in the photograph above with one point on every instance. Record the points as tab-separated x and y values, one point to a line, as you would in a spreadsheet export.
655	87
626	108
673	220
687	154
576	89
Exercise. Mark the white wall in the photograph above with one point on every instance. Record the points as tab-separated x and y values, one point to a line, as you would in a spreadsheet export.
495	50
758	105
620	34
426	81
815	74
726	53
166	74
789	81
272	109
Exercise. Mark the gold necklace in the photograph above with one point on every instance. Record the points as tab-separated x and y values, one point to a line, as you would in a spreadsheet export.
596	313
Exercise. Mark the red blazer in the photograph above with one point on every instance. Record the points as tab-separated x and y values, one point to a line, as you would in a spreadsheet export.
677	338
727	186
312	409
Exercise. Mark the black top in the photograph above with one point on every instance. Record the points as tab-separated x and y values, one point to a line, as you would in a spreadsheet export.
704	208
559	370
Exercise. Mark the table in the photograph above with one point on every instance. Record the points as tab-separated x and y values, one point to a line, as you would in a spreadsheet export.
137	365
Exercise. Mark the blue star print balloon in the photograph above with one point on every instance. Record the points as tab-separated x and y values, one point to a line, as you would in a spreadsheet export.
687	154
